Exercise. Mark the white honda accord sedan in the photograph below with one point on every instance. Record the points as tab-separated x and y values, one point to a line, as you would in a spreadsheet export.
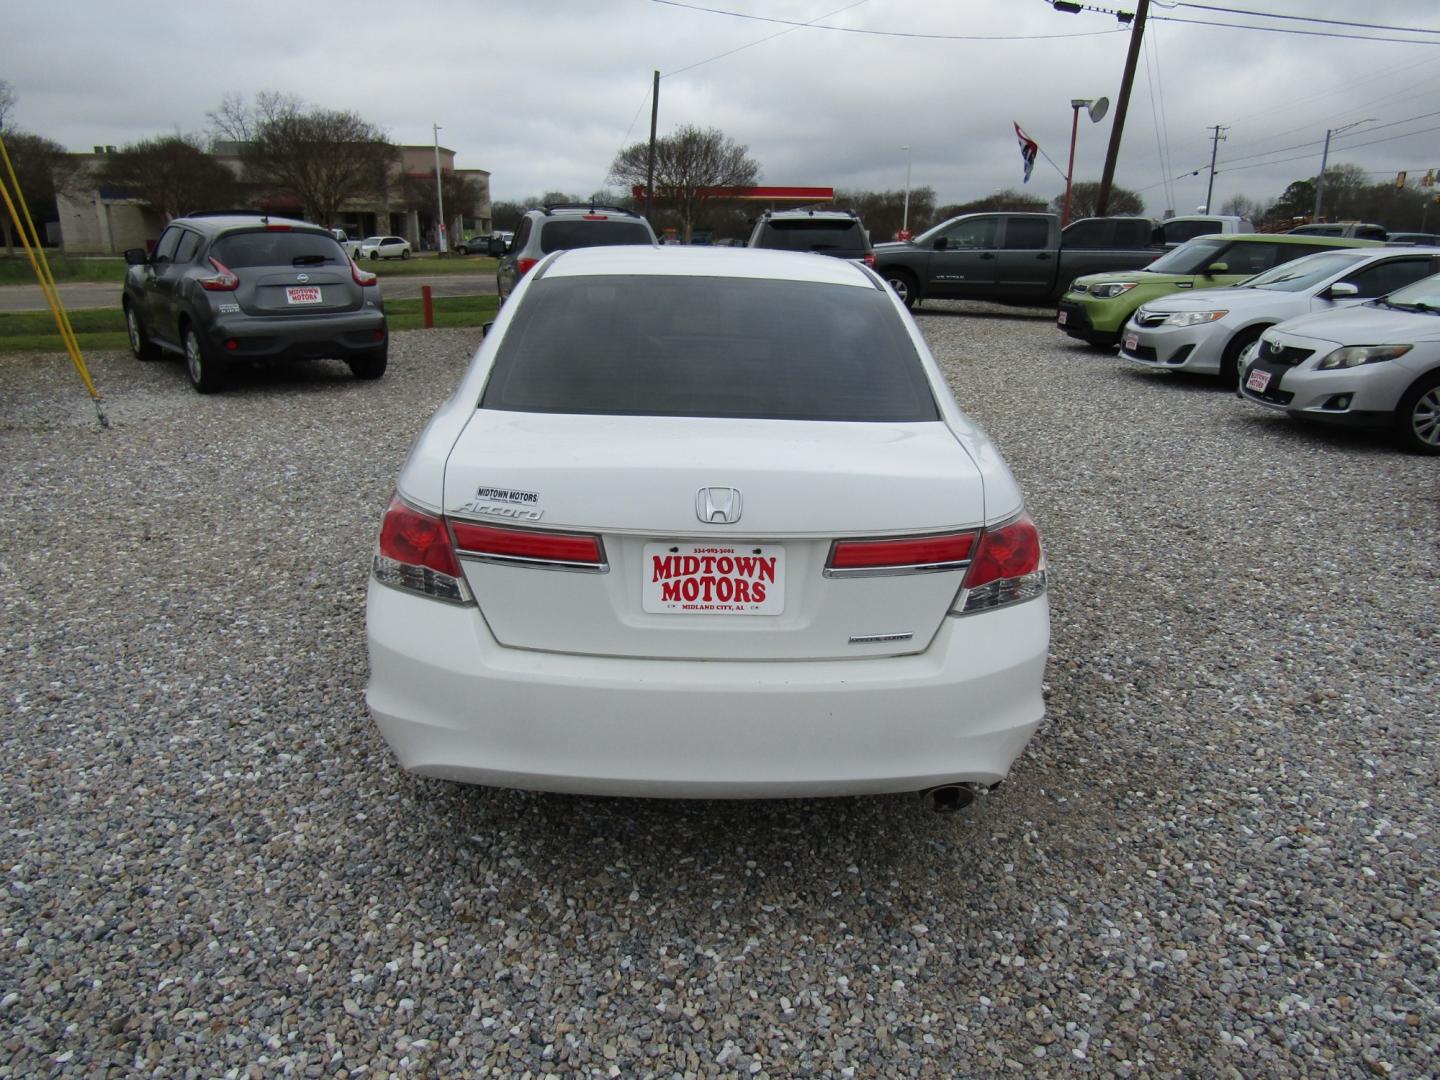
707	522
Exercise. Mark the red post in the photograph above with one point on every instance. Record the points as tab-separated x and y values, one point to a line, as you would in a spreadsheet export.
428	306
1070	175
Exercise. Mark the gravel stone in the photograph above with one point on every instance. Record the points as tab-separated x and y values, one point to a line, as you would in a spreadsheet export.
1217	858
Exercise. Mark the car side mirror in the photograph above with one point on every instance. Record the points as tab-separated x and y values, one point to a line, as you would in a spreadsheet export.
485	329
941	243
136	257
1342	290
1217	268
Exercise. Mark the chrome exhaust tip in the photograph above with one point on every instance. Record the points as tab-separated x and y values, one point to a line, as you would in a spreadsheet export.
947	798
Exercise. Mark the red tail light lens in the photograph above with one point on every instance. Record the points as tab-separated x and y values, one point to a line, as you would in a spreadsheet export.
1009	567
905	553
223	280
414	554
361	277
277	228
596	217
870	258
523	265
527	545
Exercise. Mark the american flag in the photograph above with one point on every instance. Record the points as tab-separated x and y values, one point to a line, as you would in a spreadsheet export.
1028	149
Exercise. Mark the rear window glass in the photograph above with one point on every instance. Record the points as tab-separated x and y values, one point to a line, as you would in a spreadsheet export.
565	235
804	235
239	250
706	346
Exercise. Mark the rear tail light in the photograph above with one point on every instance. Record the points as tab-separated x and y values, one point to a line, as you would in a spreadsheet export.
223	280
1008	567
870	258
362	277
574	551
906	554
596	217
277	228
414	554
523	265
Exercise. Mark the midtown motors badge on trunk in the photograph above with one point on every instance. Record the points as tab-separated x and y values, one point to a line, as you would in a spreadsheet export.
504	502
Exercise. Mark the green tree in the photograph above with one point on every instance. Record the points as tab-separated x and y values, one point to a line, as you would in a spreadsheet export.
688	164
44	170
172	175
1009	199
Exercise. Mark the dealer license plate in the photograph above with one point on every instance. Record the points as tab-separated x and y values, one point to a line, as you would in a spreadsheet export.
1258	381
303	294
1060	318
1132	342
713	579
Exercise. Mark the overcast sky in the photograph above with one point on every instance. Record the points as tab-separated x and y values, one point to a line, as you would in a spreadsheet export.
544	93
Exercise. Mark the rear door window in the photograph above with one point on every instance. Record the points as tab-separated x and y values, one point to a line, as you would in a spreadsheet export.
189	245
1027	234
567	235
274	248
706	346
1377	279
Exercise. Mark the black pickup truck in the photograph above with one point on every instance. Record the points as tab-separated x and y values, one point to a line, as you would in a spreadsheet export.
1012	258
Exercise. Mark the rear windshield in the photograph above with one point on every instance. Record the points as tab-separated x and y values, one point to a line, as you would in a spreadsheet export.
565	235
805	235
239	250
707	346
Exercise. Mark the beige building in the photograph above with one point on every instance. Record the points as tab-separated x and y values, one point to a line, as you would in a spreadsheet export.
97	219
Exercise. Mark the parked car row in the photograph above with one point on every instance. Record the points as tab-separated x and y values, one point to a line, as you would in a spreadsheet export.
1349	336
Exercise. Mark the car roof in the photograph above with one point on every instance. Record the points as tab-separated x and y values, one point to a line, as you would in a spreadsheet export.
839	215
684	261
216	223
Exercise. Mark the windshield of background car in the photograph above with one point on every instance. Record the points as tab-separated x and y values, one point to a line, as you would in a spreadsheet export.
1423	294
275	248
806	235
1190	258
566	235
1303	273
647	345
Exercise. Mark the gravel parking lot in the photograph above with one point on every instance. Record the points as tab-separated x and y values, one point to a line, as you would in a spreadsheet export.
1217	858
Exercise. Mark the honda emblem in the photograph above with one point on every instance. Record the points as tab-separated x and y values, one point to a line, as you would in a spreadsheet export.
718	505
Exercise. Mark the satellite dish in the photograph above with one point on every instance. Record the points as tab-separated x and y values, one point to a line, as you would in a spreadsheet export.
1097	109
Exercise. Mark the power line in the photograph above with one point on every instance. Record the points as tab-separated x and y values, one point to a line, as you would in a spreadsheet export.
1297	18
768	37
1274	30
884	33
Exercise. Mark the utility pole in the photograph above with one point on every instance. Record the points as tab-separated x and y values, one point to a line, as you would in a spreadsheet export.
1325	157
439	197
1117	128
650	163
1216	139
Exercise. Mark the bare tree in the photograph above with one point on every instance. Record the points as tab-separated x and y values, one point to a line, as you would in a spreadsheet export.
883	212
172	175
324	157
689	166
1084	199
7	101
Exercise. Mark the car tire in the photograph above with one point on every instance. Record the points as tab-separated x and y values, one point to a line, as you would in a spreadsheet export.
207	371
374	255
140	344
370	365
1230	359
404	254
1417	418
904	284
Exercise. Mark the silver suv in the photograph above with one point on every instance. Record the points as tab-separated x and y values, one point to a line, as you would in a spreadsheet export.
829	232
563	226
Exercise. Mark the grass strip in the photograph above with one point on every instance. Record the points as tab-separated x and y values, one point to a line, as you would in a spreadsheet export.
104	328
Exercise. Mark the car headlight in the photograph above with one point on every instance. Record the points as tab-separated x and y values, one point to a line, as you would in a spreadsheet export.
1194	318
1111	289
1356	355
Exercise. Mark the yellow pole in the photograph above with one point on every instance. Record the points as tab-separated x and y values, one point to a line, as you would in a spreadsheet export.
36	254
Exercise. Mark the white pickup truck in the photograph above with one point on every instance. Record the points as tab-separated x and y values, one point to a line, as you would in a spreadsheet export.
352	247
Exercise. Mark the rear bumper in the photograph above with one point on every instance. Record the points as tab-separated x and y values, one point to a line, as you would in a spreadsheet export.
452	703
340	337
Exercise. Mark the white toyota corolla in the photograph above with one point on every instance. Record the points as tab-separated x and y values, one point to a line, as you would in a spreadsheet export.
707	523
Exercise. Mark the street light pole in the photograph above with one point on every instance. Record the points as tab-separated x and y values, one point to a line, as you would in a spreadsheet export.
1076	104
905	215
439	197
1325	157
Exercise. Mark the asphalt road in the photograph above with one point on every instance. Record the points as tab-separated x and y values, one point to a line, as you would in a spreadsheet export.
79	296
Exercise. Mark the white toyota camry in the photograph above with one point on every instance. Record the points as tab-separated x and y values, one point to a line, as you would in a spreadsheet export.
707	523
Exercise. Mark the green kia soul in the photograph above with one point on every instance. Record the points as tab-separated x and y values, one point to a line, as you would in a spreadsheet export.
1098	305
